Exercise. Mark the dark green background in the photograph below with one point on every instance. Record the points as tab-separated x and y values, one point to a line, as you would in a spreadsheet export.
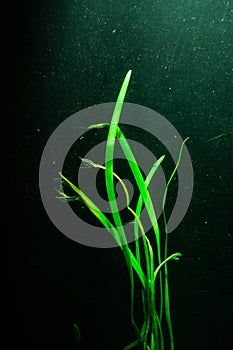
63	56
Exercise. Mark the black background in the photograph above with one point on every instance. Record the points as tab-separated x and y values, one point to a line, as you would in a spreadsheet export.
62	56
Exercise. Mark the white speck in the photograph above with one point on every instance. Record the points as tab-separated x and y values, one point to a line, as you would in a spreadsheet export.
82	137
54	162
206	222
114	31
38	130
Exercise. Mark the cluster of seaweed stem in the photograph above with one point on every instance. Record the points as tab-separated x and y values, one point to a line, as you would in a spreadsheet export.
154	286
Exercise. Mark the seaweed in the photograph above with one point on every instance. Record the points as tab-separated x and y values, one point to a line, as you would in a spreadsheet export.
154	286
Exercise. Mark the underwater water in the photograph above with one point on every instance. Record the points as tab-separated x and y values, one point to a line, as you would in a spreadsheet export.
66	56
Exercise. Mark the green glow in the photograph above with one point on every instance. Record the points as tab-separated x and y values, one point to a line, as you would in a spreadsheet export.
149	334
77	335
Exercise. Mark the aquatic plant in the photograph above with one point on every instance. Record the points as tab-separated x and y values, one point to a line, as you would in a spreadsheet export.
153	278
